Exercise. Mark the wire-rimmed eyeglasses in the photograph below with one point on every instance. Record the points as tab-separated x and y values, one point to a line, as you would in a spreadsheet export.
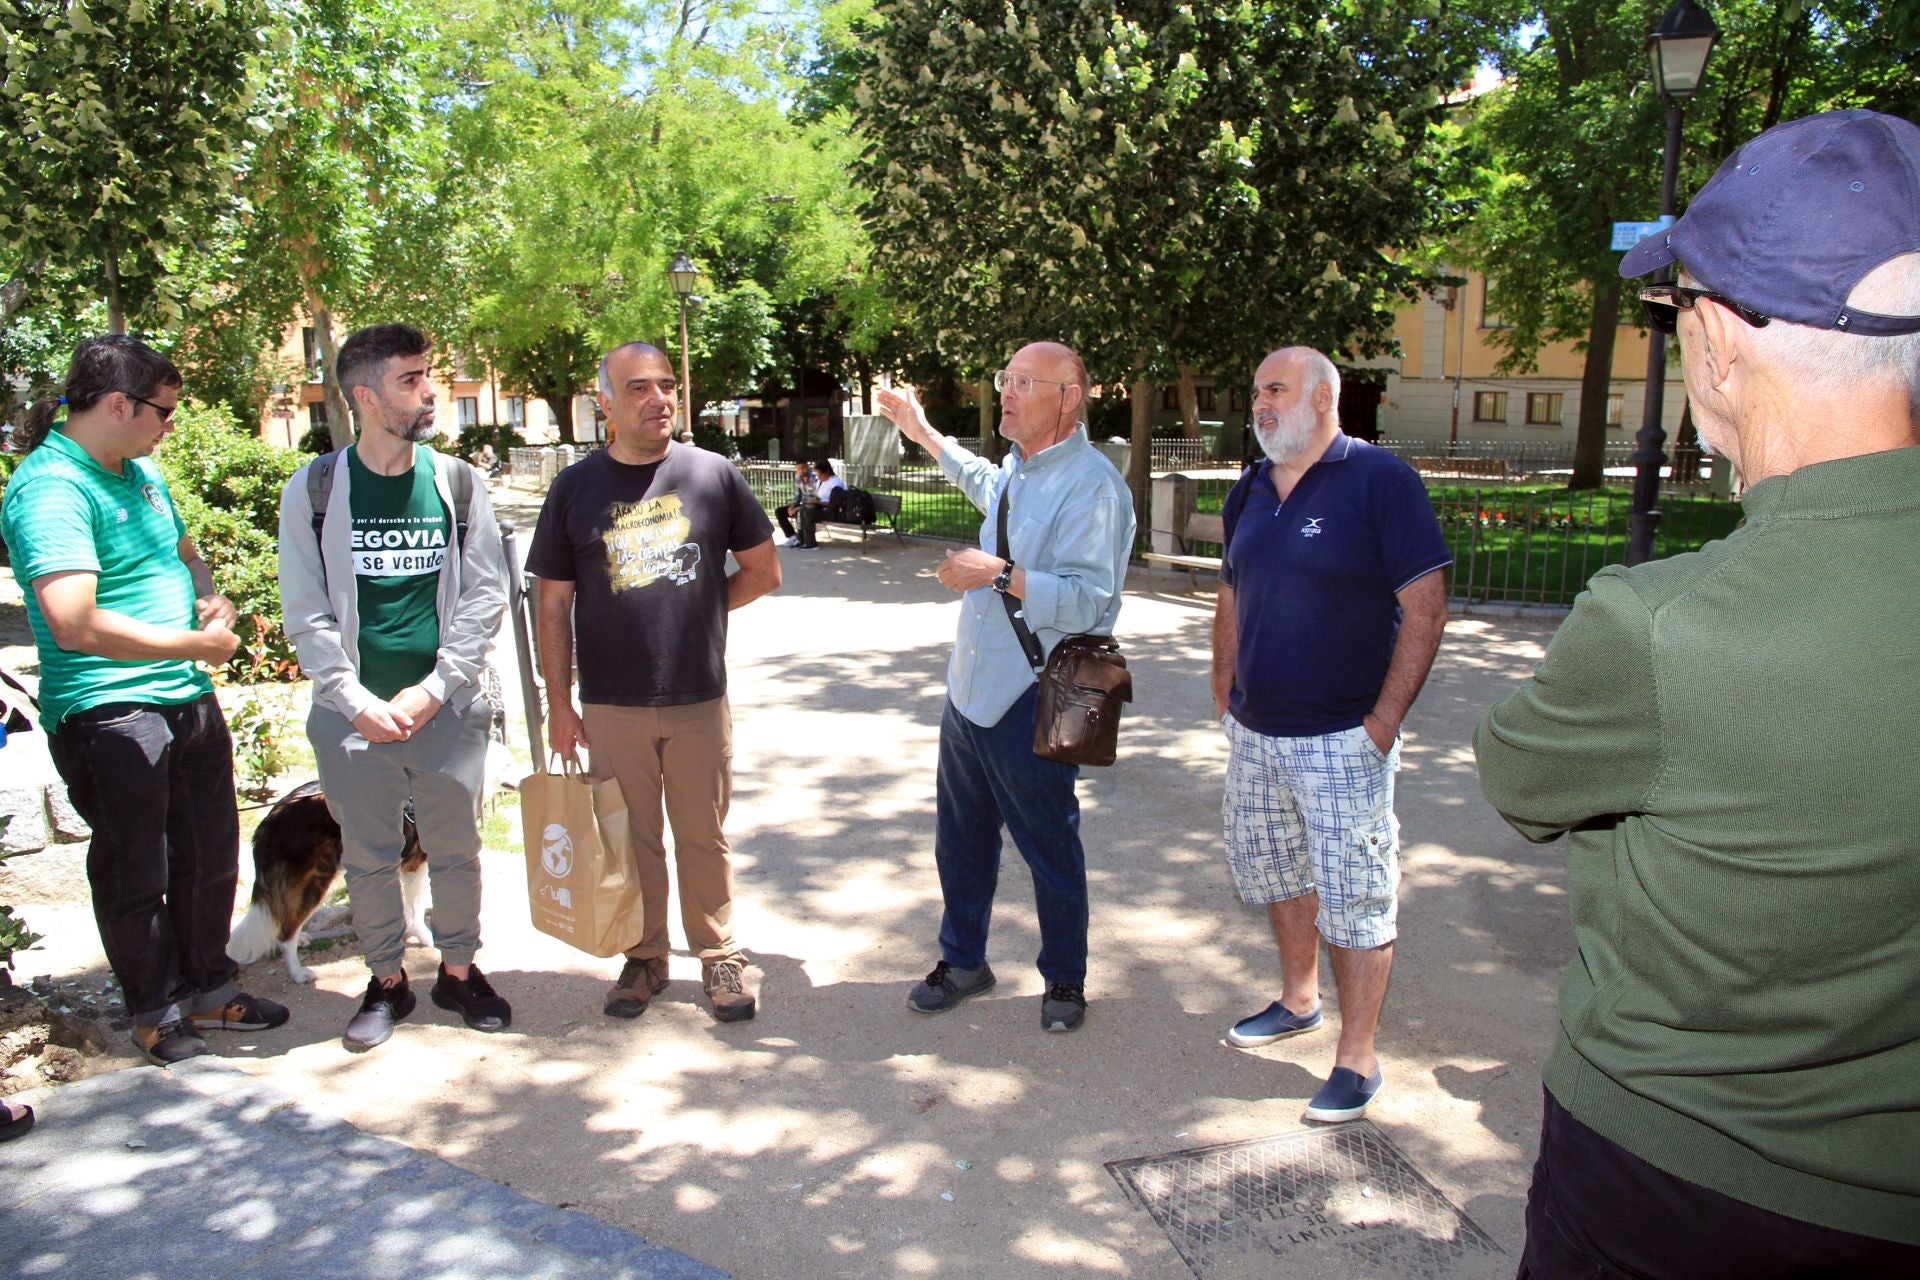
1022	383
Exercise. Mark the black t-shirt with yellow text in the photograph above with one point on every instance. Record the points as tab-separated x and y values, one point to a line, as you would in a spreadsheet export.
646	549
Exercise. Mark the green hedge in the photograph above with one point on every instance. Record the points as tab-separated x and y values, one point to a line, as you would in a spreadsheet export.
227	484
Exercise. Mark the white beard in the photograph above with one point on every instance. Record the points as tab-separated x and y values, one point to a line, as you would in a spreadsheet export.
1288	433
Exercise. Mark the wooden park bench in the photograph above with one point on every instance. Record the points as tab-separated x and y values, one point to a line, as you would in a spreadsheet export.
1196	528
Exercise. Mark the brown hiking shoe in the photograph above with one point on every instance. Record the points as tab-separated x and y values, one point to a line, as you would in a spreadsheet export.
639	982
727	989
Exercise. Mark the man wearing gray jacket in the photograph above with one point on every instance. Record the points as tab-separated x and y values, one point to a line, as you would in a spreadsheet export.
392	593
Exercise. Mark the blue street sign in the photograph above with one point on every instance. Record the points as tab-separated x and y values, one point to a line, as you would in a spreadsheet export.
1628	234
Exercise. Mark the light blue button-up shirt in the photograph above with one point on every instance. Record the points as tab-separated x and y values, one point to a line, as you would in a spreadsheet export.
1070	527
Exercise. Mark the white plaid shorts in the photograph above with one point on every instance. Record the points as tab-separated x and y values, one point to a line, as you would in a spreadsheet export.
1316	813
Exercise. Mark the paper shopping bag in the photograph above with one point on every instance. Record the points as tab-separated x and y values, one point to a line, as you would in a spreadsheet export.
583	883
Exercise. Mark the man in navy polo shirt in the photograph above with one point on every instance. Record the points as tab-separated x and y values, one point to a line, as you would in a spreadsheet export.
1332	602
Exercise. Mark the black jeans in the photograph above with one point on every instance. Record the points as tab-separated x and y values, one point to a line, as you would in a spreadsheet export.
155	783
1597	1212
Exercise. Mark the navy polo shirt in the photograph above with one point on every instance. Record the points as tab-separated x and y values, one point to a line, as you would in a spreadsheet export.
1314	583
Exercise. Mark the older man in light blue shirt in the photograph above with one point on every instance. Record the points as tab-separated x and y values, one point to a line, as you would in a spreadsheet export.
1069	523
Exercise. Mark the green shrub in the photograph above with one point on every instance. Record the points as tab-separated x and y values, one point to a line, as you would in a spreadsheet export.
14	934
227	486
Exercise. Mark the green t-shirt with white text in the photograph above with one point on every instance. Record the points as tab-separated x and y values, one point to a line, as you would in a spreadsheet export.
400	532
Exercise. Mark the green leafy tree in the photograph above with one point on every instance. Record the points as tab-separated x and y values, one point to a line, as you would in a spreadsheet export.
121	125
350	209
1156	184
620	134
1572	143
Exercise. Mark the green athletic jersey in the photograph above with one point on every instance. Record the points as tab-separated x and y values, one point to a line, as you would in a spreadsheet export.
64	512
400	534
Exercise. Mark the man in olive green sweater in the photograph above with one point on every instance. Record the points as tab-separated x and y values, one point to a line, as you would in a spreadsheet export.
1728	739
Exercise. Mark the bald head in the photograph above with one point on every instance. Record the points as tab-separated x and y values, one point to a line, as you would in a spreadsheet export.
626	349
1042	395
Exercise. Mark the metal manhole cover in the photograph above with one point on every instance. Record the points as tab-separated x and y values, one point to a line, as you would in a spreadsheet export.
1328	1203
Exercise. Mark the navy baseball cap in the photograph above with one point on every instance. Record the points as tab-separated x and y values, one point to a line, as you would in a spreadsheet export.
1800	215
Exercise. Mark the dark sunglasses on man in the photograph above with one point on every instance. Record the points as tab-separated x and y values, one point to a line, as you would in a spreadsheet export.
1665	302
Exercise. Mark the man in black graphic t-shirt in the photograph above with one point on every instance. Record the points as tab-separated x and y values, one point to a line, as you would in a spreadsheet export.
631	553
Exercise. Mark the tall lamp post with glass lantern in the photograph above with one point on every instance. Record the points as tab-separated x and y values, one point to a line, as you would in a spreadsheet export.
684	280
1679	47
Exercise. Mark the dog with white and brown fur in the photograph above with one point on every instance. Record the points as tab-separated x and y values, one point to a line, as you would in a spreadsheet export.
296	859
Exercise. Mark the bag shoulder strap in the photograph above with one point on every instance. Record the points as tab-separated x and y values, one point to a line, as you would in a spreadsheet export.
459	481
460	484
320	487
1029	642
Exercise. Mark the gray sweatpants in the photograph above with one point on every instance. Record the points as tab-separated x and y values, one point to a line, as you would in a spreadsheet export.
442	767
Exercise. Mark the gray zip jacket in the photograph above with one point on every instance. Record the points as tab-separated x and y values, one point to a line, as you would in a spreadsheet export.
322	610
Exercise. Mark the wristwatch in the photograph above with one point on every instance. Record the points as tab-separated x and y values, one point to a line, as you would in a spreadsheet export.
1003	580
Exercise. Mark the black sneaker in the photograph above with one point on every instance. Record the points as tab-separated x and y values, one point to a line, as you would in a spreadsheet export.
947	986
168	1043
473	998
243	1013
382	1007
1064	1007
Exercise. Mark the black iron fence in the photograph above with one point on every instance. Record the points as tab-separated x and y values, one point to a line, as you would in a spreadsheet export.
1512	546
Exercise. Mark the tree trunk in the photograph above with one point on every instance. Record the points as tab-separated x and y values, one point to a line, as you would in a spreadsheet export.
13	295
865	370
560	404
1189	404
1139	464
989	438
116	307
339	412
1590	441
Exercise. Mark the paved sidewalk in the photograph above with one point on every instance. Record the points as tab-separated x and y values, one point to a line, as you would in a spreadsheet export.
839	1134
202	1171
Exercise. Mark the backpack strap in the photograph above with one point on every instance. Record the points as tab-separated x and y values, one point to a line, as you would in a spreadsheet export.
459	481
320	488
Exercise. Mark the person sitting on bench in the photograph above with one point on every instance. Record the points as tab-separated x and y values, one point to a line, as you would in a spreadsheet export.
805	493
829	504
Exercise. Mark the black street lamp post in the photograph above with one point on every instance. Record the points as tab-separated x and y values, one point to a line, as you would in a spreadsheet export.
684	280
1680	47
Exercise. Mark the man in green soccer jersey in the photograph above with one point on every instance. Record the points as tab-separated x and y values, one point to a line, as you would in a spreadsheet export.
123	609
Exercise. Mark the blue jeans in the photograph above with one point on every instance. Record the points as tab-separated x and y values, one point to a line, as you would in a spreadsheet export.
990	777
155	782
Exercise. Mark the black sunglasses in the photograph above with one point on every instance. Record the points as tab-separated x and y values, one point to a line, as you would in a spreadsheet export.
1665	302
164	410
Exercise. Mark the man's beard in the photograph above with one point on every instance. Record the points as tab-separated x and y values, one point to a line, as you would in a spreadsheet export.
423	427
1291	433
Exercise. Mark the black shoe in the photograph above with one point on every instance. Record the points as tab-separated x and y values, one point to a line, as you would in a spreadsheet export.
473	998
947	986
382	1007
243	1013
168	1043
1064	1007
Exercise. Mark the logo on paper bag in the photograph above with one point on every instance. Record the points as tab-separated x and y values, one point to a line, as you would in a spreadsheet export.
556	851
561	895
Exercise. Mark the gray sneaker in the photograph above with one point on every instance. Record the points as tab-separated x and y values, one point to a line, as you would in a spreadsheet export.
947	986
1064	1007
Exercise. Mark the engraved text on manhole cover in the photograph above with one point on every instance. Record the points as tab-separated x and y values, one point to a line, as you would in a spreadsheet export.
1340	1201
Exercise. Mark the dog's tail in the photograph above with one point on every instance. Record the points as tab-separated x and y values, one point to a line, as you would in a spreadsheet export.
256	936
